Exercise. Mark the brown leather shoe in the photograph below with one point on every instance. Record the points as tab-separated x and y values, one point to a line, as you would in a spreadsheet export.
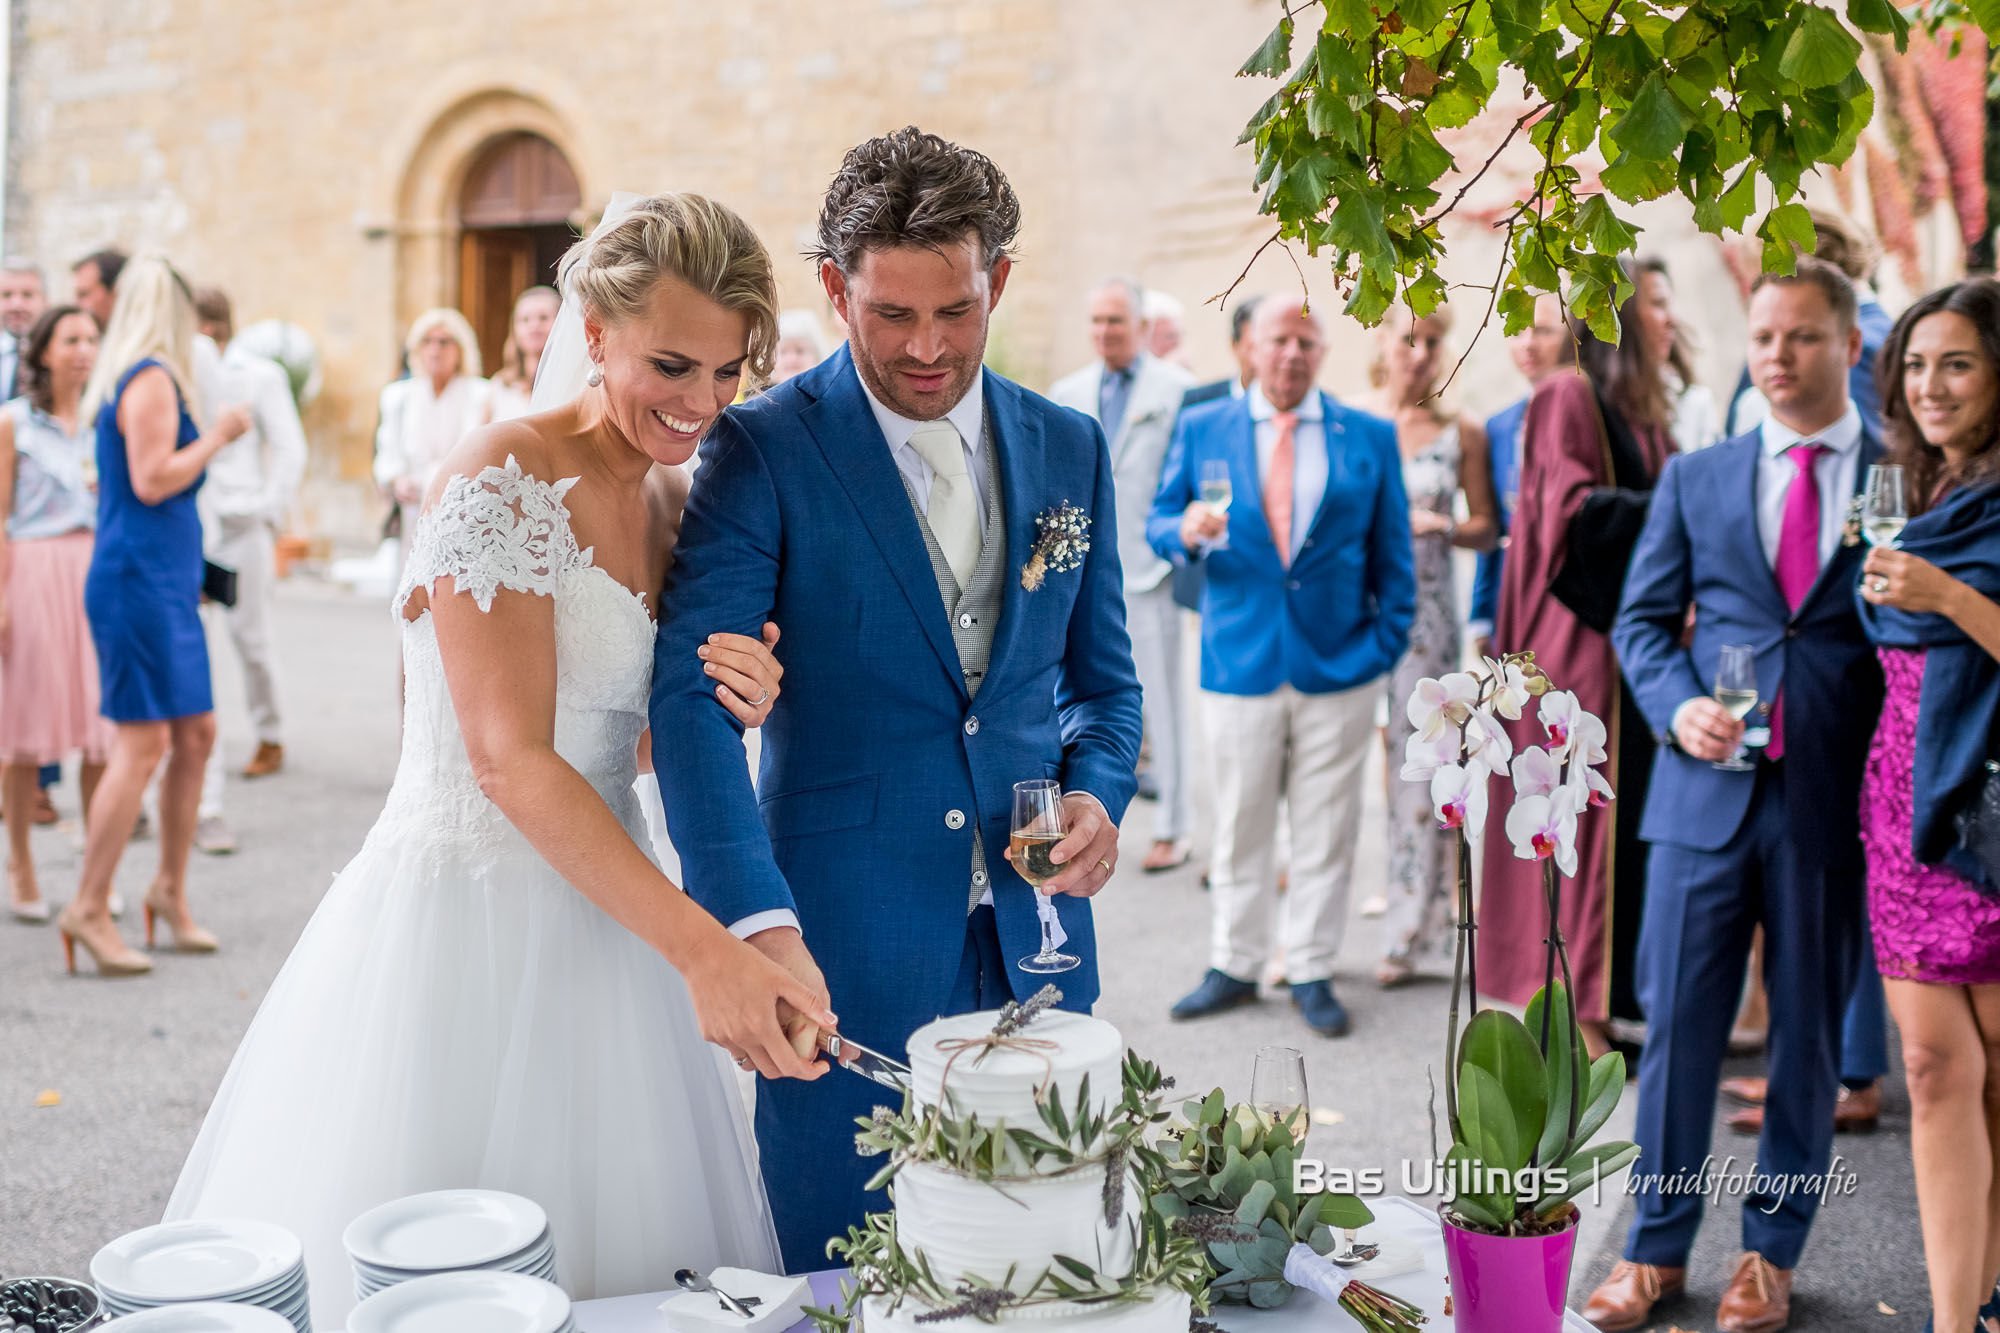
1856	1112
1759	1298
268	760
1626	1298
1749	1091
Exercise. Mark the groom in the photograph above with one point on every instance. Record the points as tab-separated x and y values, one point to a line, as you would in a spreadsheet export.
887	509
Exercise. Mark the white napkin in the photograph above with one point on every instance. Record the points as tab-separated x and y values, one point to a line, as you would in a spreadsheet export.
781	1303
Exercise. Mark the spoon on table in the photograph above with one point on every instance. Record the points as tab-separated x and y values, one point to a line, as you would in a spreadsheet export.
690	1279
1352	1255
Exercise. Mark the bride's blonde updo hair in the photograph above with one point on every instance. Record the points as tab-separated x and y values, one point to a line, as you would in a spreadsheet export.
686	237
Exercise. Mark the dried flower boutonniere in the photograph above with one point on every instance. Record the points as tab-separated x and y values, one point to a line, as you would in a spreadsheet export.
1062	538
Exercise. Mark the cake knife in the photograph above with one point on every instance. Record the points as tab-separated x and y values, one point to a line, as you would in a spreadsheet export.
856	1058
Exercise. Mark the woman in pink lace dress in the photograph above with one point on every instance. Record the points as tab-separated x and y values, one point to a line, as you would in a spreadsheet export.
1930	607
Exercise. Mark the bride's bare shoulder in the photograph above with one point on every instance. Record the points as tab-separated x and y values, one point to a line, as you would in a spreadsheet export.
525	440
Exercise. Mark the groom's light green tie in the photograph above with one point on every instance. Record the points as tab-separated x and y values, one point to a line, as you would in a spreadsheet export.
953	512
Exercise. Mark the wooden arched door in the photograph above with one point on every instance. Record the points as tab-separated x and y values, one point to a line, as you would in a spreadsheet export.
516	214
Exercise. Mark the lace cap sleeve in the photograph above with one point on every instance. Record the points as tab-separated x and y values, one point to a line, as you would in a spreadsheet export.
501	529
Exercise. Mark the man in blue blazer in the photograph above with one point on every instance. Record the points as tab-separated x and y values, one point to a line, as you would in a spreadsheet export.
1752	535
892	510
1311	590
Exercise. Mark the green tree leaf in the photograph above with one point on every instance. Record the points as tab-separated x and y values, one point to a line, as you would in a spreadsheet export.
1653	124
1821	51
1274	57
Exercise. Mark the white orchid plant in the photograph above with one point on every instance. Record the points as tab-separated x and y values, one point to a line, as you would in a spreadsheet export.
1523	1103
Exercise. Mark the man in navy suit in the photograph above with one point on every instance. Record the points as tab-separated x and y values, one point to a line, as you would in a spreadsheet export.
1311	590
1751	535
892	510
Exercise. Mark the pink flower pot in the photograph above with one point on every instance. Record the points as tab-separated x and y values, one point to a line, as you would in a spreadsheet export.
1508	1284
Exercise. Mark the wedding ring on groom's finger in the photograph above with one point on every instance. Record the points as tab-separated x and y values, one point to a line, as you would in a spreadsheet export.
1106	864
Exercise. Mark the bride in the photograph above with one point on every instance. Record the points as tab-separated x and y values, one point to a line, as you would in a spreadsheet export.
502	989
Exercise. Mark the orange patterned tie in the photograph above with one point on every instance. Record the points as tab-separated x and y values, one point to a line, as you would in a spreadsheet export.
1278	486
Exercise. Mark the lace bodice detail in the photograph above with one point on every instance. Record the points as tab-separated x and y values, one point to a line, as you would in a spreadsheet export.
506	531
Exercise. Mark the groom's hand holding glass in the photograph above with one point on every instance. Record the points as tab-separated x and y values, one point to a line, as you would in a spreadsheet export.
1089	851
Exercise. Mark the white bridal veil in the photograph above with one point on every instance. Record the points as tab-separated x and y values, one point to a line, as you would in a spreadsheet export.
566	358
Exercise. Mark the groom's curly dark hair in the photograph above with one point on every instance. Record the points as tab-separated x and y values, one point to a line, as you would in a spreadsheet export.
913	188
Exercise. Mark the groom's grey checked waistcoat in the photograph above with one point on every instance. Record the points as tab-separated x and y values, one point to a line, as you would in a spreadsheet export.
974	611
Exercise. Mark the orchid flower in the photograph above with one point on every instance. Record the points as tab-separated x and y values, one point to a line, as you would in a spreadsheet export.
1588	739
1536	772
1559	713
1441	703
1487	741
1458	794
1422	758
1510	688
1590	786
1542	827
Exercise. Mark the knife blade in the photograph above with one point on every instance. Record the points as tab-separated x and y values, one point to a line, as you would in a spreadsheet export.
858	1059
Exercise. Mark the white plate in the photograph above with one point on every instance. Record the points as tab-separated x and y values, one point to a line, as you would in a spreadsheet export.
543	1248
445	1230
457	1302
282	1292
195	1261
203	1317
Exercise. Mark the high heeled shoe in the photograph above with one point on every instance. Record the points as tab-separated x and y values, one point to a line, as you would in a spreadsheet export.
124	961
188	938
36	913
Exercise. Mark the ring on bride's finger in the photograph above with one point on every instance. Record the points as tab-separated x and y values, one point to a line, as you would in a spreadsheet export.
1879	585
761	699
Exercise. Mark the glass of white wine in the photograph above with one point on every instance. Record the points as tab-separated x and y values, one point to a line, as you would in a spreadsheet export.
1216	493
1736	690
1037	828
1278	1090
1883	510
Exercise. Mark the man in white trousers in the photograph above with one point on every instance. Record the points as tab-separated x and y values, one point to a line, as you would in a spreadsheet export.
1135	397
1308	603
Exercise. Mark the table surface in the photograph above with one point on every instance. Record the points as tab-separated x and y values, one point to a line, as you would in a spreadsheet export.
1395	1216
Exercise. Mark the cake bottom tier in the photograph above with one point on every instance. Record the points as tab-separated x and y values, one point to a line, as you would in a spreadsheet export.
1167	1311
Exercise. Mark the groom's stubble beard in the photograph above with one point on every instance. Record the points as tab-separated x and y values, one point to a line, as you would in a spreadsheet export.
883	379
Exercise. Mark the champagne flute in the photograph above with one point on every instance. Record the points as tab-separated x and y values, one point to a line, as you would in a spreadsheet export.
1216	493
1883	511
1736	690
1278	1090
1037	828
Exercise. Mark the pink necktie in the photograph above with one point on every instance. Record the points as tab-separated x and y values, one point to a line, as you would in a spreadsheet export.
1278	485
1798	555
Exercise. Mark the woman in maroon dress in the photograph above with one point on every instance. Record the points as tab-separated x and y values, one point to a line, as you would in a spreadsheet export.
1592	446
1933	904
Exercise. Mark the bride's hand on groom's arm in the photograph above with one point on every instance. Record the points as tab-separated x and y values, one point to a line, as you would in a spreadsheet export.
1088	853
764	1004
746	673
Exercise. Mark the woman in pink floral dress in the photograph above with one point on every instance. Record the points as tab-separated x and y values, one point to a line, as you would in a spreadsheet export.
1930	607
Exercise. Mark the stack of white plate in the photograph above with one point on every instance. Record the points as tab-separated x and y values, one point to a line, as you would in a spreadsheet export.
235	1262
201	1317
487	1302
449	1231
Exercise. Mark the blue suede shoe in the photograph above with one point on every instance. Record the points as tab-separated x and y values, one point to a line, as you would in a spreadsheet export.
1324	1012
1218	991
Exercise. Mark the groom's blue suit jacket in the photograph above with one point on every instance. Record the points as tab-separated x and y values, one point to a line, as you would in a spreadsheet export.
874	751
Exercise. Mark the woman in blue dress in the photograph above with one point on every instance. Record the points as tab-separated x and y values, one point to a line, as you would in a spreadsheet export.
143	596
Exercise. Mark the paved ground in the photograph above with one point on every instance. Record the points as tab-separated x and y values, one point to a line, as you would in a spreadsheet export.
136	1062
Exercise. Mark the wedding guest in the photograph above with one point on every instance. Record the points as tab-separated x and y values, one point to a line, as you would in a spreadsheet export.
94	283
1592	445
1690	406
142	596
802	344
1443	456
1933	893
1536	351
424	416
1166	320
1134	397
1775	843
1310	595
513	387
23	298
245	504
48	669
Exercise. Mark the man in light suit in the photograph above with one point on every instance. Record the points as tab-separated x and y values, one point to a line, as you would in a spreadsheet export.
1311	590
1135	397
887	509
1751	536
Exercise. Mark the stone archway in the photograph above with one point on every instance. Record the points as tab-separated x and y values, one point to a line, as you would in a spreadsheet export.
517	214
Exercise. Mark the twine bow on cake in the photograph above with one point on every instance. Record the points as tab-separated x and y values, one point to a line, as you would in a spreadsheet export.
1006	1036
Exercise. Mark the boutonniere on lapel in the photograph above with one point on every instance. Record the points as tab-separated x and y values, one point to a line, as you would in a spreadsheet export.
1062	539
1850	531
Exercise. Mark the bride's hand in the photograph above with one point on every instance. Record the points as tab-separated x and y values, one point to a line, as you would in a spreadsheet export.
746	673
749	1005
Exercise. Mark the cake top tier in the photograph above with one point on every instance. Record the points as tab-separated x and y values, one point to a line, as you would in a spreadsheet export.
997	1082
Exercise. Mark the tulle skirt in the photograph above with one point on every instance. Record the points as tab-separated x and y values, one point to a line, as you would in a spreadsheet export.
479	1023
48	668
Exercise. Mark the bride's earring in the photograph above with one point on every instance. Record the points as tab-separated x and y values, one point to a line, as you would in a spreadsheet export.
595	377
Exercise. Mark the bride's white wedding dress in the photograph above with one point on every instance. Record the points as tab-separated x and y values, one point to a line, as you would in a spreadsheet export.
456	1014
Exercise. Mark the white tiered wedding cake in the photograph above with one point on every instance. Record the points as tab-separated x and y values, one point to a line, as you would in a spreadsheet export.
1015	1232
